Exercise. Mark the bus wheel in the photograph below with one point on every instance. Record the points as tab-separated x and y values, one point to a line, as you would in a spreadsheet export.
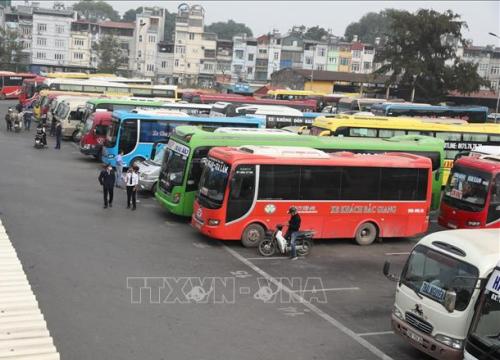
252	235
136	161
366	234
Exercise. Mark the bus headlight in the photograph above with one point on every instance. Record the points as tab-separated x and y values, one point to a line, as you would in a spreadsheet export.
177	197
451	342
397	313
473	223
213	222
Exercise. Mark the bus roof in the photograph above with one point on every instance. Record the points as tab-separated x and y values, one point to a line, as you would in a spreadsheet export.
284	151
409	123
403	160
403	142
427	107
490	164
481	246
127	115
253	131
125	101
292	92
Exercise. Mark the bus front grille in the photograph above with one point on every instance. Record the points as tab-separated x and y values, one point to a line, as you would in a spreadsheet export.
418	323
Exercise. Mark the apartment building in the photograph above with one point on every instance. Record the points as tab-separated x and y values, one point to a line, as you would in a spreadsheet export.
315	55
165	62
208	61
244	58
149	27
20	19
124	33
82	35
224	57
488	60
292	51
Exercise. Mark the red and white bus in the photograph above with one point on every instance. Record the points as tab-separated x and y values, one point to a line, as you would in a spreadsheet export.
11	82
305	105
29	89
94	133
471	198
243	192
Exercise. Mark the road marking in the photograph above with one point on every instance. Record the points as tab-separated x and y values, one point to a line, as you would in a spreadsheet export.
75	146
327	289
398	253
376	333
373	349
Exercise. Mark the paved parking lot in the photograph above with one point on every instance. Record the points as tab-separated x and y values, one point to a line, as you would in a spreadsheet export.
96	275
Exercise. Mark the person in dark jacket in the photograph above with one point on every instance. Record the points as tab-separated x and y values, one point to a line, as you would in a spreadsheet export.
58	135
293	228
107	180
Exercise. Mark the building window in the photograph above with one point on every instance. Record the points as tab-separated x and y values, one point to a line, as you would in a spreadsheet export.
276	55
59	56
250	57
321	52
367	65
42	27
495	70
355	67
152	38
41	55
191	36
78	56
493	85
294	43
369	51
176	63
163	64
320	67
238	54
344	61
59	43
332	60
41	41
262	51
26	44
140	38
79	42
208	67
59	29
356	54
249	70
180	49
26	30
150	67
309	60
139	53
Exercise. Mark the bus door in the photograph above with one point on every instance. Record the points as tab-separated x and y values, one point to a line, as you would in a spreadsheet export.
241	193
493	216
128	136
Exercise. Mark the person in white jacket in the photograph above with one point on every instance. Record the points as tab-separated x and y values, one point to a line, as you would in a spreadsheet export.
280	239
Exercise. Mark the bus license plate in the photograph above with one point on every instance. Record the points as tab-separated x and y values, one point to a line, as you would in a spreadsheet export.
414	336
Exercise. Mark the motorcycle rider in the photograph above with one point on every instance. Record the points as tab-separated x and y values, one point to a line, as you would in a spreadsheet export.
8	119
292	231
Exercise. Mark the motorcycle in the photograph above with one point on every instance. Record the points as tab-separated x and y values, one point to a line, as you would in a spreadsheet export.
40	139
17	123
303	244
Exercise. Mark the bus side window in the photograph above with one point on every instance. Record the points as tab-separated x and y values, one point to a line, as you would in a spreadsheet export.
494	208
362	132
241	192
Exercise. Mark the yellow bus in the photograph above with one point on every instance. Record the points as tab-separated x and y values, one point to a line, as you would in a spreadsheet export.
457	137
76	75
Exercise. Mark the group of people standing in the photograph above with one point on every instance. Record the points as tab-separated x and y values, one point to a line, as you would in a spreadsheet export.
109	179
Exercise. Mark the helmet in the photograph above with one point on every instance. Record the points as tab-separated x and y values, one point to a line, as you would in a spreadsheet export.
279	226
292	209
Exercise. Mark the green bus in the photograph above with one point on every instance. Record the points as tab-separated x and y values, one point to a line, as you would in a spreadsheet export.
188	146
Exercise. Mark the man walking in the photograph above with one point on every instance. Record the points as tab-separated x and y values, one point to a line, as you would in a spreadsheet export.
27	119
119	169
58	135
131	181
8	120
107	180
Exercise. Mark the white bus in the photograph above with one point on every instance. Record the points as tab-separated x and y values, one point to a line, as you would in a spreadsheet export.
112	88
438	290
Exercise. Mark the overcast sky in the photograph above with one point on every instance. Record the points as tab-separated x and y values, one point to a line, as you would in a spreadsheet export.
482	17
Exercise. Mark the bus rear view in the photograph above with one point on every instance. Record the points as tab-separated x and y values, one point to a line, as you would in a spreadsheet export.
471	198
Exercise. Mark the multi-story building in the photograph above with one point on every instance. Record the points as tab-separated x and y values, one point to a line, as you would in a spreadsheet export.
345	56
292	51
124	33
149	26
80	45
51	38
224	55
332	56
488	60
20	19
244	58
315	55
195	51
165	61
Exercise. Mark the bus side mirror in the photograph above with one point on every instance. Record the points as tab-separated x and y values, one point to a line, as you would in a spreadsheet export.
386	270
436	175
450	298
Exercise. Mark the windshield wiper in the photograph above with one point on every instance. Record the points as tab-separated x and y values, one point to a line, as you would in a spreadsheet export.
409	282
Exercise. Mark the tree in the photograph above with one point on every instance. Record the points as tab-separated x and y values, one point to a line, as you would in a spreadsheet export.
315	33
420	54
11	56
131	14
369	27
169	29
96	10
110	55
226	30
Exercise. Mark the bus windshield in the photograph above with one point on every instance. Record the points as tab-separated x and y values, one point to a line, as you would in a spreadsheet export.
174	168
158	158
486	329
467	189
213	183
431	274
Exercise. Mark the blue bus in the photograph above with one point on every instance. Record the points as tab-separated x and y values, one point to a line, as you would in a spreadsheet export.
135	133
473	114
